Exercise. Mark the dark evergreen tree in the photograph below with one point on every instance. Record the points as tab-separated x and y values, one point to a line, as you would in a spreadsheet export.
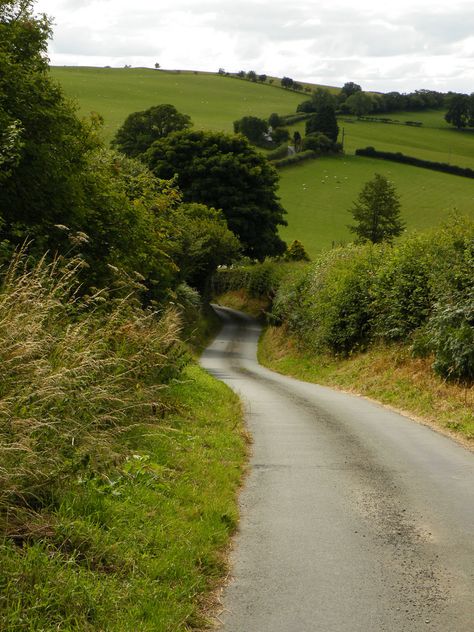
325	122
377	212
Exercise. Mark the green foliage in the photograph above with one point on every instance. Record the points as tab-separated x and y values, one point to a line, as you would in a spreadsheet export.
261	280
141	129
252	128
225	172
403	293
452	338
46	147
275	120
451	327
377	212
324	122
335	313
74	373
359	103
460	110
200	242
295	158
420	291
280	135
350	88
296	252
319	143
280	152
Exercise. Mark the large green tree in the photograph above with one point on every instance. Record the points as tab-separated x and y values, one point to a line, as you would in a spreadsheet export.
225	172
252	128
461	111
324	122
44	146
141	129
62	191
360	103
377	212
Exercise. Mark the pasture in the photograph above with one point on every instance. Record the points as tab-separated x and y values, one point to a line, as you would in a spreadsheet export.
213	102
318	193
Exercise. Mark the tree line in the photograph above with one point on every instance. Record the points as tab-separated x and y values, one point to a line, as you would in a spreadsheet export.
126	207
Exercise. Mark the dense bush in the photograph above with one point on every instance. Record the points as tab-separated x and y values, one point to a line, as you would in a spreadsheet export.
419	291
280	152
291	119
338	301
371	152
403	296
318	142
295	158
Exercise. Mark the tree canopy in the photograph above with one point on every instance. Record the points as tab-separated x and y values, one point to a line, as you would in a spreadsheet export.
66	194
377	212
324	122
225	172
141	129
461	111
252	128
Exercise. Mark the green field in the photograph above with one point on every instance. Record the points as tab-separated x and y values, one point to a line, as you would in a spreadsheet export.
316	194
435	140
213	102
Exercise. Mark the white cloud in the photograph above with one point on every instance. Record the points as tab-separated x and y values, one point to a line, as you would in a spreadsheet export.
411	44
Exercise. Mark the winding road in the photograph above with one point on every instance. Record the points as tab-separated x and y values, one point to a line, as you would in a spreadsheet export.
353	518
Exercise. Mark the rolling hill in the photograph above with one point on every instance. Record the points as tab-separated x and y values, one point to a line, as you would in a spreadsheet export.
318	193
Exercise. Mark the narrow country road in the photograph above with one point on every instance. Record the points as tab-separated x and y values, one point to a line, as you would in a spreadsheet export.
353	518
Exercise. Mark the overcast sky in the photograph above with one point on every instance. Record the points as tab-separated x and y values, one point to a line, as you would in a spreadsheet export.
414	44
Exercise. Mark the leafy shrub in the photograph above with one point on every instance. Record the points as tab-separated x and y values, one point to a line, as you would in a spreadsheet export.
296	252
452	339
451	327
280	135
403	295
295	158
331	306
292	119
318	142
280	152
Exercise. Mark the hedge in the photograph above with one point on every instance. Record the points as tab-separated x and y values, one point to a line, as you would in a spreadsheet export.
371	152
280	152
295	158
291	119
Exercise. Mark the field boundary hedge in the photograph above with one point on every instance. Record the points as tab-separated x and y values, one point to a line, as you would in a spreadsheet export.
295	158
371	152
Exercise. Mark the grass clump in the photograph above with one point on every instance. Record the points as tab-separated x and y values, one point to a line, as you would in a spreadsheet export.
117	478
75	372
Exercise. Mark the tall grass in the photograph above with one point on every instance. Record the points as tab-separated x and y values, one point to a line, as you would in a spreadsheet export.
74	372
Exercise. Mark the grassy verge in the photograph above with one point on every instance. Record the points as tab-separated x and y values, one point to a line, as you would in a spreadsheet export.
141	546
118	478
387	374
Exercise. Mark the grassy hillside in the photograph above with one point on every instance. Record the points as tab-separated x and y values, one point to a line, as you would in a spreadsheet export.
212	101
316	194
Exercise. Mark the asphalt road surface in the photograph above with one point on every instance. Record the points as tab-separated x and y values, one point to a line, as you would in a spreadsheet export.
353	518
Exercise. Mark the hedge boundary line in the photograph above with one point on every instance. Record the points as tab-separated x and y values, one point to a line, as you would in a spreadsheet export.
371	152
295	158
